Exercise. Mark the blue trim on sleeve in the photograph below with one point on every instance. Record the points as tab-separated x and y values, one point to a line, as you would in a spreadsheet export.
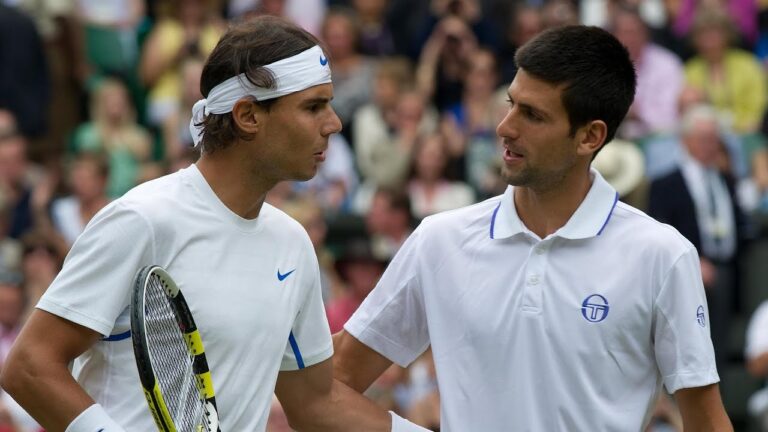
296	352
615	200
117	337
493	219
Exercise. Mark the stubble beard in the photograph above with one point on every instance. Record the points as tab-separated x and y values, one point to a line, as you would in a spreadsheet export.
535	180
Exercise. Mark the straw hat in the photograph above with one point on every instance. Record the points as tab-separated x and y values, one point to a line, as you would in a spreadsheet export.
622	165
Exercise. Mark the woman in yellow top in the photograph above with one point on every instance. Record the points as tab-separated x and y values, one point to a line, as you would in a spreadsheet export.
192	30
732	79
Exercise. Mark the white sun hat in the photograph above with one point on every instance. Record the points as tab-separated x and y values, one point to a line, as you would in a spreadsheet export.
622	165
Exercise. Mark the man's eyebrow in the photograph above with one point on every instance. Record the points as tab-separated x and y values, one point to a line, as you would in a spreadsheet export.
529	106
315	100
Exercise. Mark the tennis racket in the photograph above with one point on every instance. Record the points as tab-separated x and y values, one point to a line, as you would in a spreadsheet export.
170	356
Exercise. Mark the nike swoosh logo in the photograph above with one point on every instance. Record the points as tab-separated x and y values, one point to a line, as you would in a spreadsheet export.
281	277
323	61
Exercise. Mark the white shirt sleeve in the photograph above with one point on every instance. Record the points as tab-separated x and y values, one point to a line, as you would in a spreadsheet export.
392	320
757	332
682	341
96	282
310	339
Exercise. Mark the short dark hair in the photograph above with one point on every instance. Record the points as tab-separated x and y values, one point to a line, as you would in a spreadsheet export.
245	48
595	67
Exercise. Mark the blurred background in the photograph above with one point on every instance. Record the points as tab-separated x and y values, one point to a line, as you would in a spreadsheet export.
96	96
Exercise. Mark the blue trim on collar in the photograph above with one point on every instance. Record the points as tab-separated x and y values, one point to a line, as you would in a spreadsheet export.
117	337
493	218
615	200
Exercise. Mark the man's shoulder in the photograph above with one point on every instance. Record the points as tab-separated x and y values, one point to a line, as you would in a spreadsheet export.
154	198
464	221
635	227
279	222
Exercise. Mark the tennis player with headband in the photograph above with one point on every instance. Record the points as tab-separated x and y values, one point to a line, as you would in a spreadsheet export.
247	270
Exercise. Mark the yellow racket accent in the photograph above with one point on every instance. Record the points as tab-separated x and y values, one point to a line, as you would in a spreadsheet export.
205	385
194	342
159	409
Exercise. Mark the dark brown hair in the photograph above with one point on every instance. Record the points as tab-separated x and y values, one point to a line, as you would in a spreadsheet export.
244	49
593	65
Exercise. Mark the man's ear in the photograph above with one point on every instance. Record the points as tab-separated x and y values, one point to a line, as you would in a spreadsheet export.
248	116
591	137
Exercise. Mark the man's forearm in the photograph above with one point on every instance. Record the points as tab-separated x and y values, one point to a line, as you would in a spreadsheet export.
52	398
342	409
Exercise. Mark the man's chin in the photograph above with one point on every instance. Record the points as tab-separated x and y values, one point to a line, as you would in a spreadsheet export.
306	176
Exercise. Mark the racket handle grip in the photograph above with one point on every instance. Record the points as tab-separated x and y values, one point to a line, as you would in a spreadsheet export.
94	419
400	424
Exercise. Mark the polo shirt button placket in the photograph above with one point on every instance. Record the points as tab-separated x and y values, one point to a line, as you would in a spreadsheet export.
532	297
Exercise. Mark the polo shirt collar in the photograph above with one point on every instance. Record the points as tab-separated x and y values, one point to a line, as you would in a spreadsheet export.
589	220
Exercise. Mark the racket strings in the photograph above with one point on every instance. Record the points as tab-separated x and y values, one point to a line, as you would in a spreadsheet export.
166	347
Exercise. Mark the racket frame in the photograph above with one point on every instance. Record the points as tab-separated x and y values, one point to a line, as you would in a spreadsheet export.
150	385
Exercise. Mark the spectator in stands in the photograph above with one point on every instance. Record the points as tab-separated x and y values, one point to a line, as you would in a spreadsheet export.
473	13
659	79
622	165
24	81
444	61
352	72
10	248
110	35
113	129
177	139
742	13
732	79
190	28
525	23
360	270
307	14
389	221
384	130
63	43
699	200
558	13
87	180
18	176
392	77
40	264
375	35
469	126
384	156
429	189
12	308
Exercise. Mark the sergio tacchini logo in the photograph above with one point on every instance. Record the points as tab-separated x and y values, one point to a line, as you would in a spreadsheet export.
594	308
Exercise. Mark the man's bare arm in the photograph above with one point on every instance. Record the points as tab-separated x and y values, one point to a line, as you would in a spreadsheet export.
36	372
314	401
355	364
702	409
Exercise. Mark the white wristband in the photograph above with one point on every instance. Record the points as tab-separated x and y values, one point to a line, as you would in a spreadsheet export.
94	419
400	424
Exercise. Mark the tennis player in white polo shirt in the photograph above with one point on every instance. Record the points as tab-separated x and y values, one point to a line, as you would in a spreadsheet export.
248	271
553	307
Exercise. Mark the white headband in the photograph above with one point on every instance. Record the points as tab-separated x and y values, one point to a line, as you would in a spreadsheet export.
302	71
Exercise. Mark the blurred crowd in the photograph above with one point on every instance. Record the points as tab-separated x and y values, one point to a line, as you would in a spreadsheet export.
96	97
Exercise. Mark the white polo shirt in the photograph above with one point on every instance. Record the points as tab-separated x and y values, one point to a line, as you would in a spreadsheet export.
575	332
